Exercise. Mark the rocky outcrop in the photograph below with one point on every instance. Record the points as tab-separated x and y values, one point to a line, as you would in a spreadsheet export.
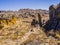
28	26
53	24
54	12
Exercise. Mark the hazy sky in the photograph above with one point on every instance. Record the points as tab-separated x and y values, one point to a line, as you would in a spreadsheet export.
32	4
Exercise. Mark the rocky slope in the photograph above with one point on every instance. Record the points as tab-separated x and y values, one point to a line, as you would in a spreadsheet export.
23	27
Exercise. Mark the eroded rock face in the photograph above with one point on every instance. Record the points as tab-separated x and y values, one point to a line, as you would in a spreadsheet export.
55	16
54	20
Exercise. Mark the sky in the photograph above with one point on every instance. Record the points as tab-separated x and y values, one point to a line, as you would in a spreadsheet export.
21	4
